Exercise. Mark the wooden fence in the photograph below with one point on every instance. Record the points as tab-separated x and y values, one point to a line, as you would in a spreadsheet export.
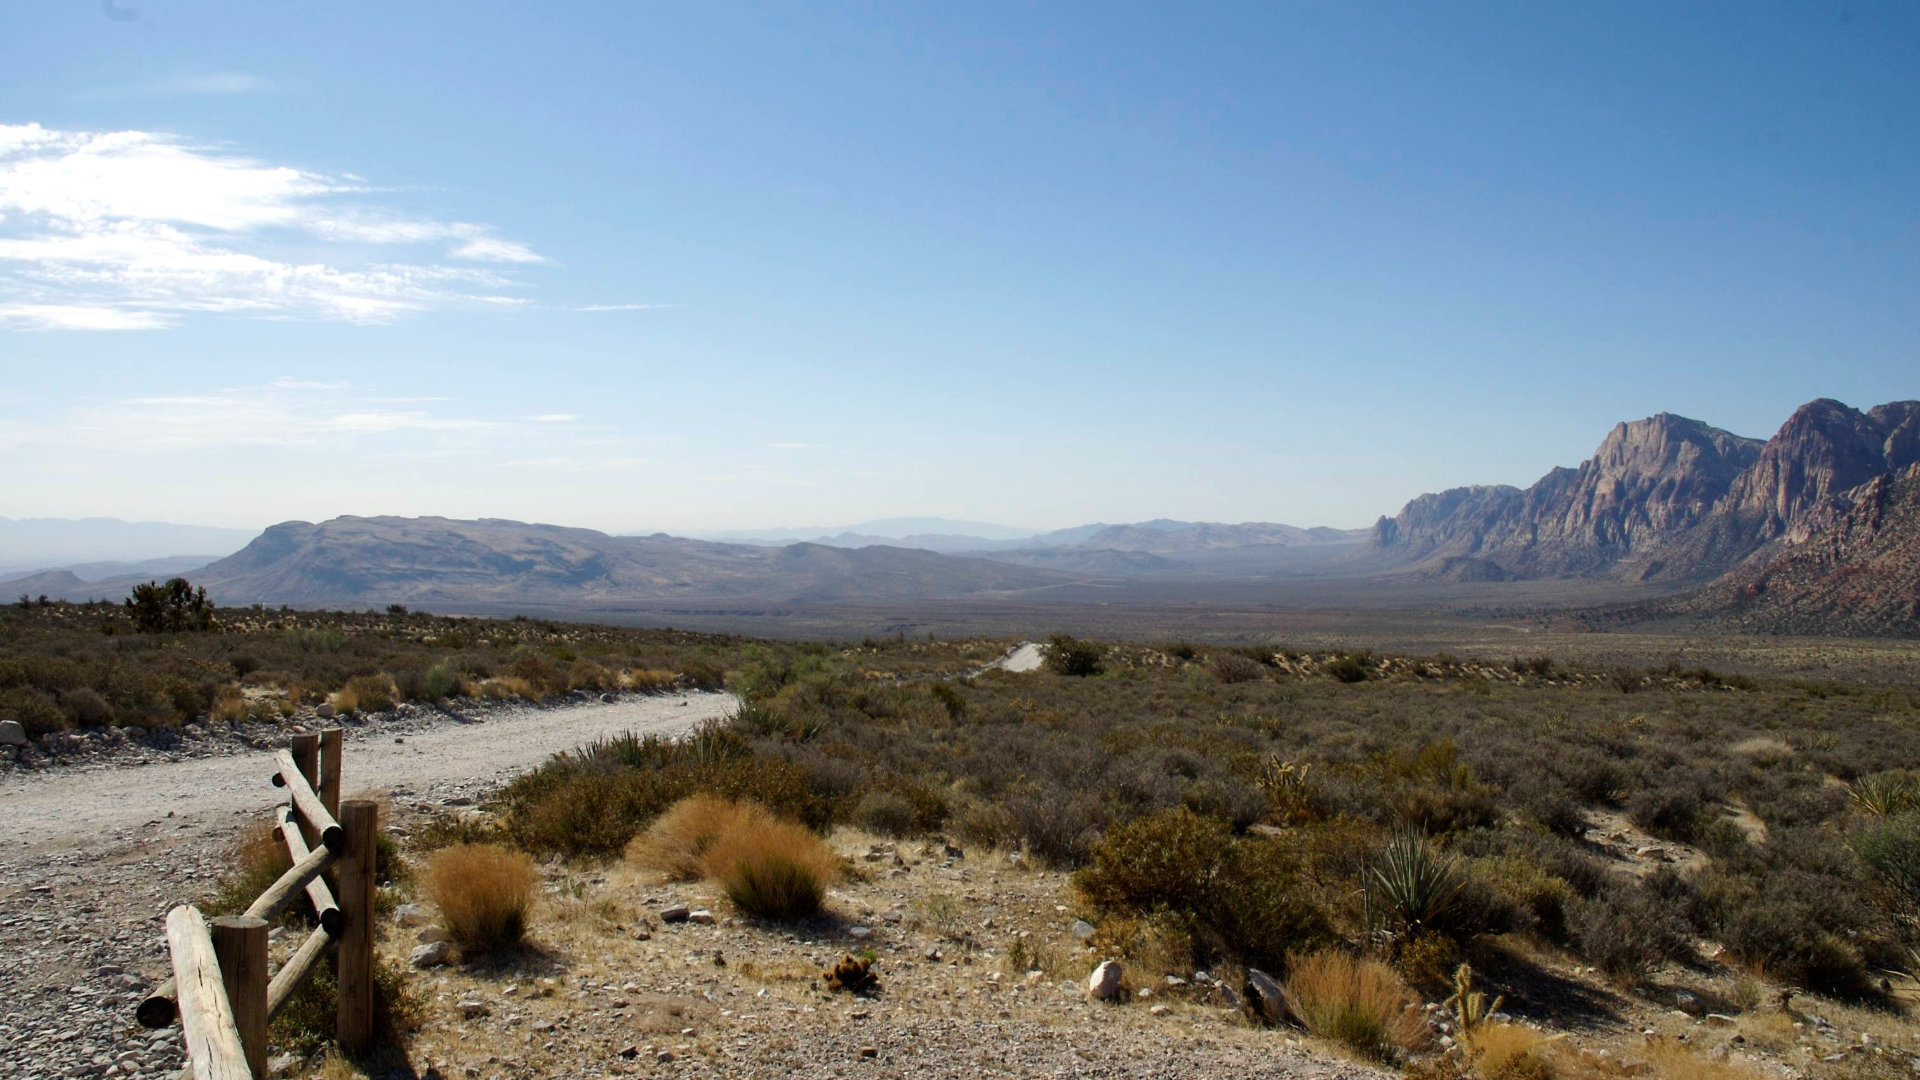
220	990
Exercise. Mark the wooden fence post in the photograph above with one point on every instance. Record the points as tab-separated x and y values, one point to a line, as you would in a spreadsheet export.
306	758
241	944
353	1023
206	1017
330	770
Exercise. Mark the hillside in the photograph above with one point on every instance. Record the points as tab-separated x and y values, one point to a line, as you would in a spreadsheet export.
1662	499
356	561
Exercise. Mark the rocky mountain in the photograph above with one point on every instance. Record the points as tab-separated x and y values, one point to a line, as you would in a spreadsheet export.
354	562
1854	569
1666	498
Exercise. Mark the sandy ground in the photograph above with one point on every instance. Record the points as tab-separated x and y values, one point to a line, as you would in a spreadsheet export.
1025	657
79	808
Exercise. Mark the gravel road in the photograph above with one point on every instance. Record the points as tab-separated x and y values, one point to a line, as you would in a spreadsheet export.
82	807
93	856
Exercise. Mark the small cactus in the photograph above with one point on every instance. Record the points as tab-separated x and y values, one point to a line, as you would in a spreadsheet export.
1470	1007
852	974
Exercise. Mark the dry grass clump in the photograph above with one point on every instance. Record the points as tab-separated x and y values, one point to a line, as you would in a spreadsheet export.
648	680
484	893
853	974
365	693
1511	1052
768	867
1359	1003
676	843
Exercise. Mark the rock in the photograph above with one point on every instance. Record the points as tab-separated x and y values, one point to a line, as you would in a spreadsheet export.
860	933
12	733
664	1057
1081	930
430	935
1104	983
675	913
1263	1001
1159	1010
606	699
869	1051
433	954
1688	1002
701	916
411	915
325	710
933	954
1719	1020
283	1065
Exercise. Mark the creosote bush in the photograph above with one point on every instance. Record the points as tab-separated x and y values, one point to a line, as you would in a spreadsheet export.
484	892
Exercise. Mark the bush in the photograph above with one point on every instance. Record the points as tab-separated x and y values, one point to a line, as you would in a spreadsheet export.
1360	1004
1347	669
484	893
1417	888
676	843
772	869
1239	897
950	699
1235	668
366	693
1891	846
885	812
1071	656
1673	813
1627	932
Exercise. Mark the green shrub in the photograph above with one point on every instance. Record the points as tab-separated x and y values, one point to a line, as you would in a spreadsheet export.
1627	932
1347	669
1891	846
1071	656
949	698
885	812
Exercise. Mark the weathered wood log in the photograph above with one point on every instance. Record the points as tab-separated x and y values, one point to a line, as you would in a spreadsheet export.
353	1022
324	907
295	970
312	810
330	750
240	943
214	1051
306	755
159	1008
283	892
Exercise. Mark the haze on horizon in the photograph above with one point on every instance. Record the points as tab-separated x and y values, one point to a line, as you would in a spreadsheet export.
701	268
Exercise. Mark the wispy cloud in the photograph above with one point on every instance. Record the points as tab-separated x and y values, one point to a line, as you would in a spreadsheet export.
624	307
185	84
133	230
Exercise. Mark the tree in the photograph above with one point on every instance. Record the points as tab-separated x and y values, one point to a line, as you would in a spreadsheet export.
173	607
1070	656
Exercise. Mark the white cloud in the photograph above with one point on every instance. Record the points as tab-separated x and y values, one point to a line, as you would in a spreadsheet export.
131	229
186	84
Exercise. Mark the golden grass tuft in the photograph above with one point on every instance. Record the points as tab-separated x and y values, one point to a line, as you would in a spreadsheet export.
677	842
484	893
1511	1052
1359	1003
648	680
768	867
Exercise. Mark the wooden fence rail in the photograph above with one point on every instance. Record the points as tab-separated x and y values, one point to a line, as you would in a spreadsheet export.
220	991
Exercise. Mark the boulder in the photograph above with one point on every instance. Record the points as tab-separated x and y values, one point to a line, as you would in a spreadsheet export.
12	733
412	915
1081	929
1688	1002
325	711
675	913
1262	998
433	954
1104	983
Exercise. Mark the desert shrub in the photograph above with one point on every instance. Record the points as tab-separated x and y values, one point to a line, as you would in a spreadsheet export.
1891	847
307	1023
36	710
649	680
1884	794
1511	1052
85	707
1628	932
1674	813
366	693
676	843
1347	669
1231	667
950	699
885	812
484	893
1238	897
987	825
1359	1003
170	608
772	869
1521	895
258	861
1071	656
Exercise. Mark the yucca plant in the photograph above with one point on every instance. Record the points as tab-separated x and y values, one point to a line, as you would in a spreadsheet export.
1417	887
1884	794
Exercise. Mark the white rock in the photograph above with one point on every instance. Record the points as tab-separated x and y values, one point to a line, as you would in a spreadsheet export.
1081	930
325	711
431	934
430	955
412	915
675	913
473	1009
1104	983
701	916
1159	1010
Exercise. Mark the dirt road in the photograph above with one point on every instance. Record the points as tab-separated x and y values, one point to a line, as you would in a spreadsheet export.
80	808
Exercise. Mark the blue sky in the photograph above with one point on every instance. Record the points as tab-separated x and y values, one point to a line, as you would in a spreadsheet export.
700	266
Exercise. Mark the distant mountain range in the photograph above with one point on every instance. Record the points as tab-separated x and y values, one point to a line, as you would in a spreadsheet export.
1821	510
37	543
1815	530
